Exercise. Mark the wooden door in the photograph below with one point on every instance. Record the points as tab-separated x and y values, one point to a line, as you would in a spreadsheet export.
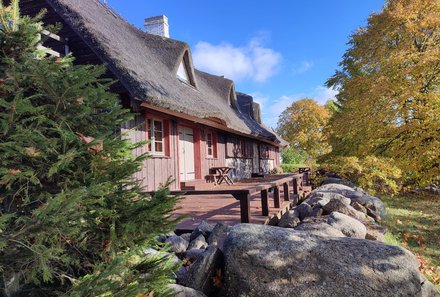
186	154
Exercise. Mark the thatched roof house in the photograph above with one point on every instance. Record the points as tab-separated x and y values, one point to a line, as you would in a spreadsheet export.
157	75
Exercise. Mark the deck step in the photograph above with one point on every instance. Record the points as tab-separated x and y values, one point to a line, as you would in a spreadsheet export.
192	184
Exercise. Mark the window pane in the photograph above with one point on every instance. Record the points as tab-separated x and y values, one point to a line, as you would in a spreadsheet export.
209	151
182	73
159	147
150	129
158	126
158	135
209	137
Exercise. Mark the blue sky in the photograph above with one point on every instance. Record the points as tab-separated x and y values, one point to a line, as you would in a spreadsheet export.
278	51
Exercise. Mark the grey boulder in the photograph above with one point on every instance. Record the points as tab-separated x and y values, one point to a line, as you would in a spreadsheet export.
198	243
337	205
289	220
304	210
181	291
203	228
347	225
355	195
177	244
320	229
200	274
263	261
218	234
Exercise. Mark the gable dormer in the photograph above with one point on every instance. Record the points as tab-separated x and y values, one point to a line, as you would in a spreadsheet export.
185	71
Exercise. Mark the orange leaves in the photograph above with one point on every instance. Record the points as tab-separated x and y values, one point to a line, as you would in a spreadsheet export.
97	148
217	278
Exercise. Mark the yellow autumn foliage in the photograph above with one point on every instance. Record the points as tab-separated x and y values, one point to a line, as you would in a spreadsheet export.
389	86
302	125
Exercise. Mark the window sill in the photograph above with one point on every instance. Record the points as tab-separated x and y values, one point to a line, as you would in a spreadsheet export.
158	157
211	158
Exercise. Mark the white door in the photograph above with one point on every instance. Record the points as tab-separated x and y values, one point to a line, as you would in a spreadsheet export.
186	153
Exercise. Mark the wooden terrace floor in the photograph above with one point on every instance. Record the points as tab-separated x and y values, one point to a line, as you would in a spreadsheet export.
226	209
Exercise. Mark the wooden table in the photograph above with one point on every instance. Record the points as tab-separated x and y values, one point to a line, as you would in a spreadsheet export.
222	175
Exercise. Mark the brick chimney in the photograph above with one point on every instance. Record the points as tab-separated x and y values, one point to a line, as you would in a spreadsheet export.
158	25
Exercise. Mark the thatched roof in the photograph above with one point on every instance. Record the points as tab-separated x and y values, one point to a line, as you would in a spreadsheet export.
252	113
146	65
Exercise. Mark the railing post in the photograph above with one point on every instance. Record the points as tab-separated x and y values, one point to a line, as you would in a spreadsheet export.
245	207
276	196
264	203
286	191
295	186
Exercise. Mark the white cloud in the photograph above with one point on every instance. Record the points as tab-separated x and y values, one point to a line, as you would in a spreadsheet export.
302	67
272	108
251	62
323	94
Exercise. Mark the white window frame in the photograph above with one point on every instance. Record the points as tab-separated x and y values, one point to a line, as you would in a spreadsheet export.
152	137
212	146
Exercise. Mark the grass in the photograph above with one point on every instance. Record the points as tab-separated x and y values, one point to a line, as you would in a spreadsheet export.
414	223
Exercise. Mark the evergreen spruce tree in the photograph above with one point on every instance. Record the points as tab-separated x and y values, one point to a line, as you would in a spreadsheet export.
73	221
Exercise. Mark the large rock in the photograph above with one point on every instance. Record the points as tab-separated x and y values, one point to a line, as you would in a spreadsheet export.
198	243
320	229
338	206
347	225
304	210
263	261
355	195
204	228
177	244
200	274
322	198
428	289
181	291
289	220
218	234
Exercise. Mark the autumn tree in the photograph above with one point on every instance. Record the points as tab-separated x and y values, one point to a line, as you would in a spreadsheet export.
302	125
389	100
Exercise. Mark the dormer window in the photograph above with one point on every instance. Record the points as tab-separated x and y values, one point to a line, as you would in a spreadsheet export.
184	72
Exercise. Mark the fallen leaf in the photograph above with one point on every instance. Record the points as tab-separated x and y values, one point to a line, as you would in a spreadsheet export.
32	152
217	278
79	101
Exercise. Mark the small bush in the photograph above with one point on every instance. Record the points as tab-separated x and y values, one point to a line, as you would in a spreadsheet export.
373	174
290	168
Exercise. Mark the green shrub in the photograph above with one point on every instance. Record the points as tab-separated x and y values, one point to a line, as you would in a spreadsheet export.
373	174
290	168
293	156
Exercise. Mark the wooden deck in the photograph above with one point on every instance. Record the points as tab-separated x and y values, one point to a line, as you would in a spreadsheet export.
256	200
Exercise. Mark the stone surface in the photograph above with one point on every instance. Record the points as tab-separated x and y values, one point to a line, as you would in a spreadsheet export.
200	274
203	228
320	229
359	207
338	206
194	254
218	234
186	236
181	291
163	237
198	243
289	220
347	225
177	244
356	195
317	211
371	213
322	198
375	232
263	261
428	289
304	210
